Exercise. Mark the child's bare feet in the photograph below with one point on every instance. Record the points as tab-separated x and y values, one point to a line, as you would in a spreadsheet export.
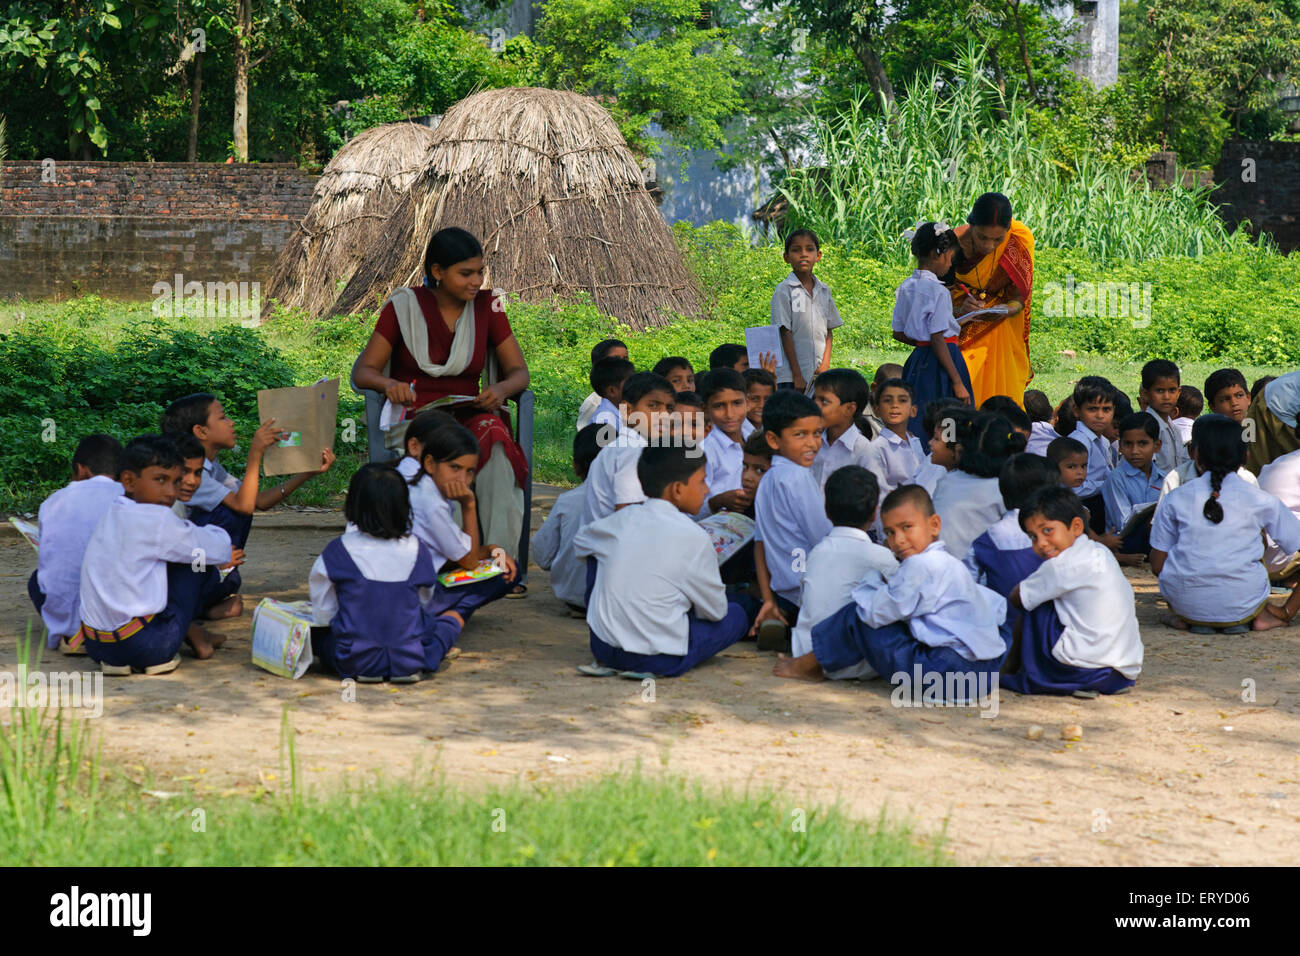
803	667
1174	621
232	606
1269	618
200	641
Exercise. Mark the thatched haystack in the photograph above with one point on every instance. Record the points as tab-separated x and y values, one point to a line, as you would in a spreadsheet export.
357	192
546	182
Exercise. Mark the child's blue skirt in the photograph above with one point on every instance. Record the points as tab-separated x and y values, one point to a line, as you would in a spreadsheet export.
929	381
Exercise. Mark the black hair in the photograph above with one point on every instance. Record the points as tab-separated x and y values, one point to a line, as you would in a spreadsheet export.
638	386
423	425
660	465
718	379
802	234
848	385
1093	389
1143	420
602	348
758	376
187	445
756	444
446	443
1123	406
671	364
609	372
896	383
992	441
378	502
929	241
689	399
1055	504
1157	369
887	371
785	408
1220	451
851	496
1066	418
1190	402
1259	385
908	495
1024	474
1006	407
586	446
147	451
447	247
991	209
1062	448
939	410
726	356
1037	407
1217	381
102	454
184	413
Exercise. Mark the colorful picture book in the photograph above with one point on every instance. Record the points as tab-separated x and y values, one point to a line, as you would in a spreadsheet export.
730	531
28	531
459	576
282	637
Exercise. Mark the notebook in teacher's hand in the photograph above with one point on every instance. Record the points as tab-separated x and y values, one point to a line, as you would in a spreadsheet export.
991	310
309	414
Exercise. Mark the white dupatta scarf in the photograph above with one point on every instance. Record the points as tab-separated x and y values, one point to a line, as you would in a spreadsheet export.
412	325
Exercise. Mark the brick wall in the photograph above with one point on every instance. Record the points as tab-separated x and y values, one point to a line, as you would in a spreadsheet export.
117	228
1261	182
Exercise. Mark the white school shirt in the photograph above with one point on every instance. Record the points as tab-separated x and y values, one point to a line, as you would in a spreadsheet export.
940	603
553	547
1282	396
922	307
66	520
1094	601
1184	427
808	318
849	449
967	506
790	520
724	462
215	484
1101	459
894	460
655	565
844	559
1173	446
378	559
1187	472
606	413
1126	489
612	478
929	475
1041	434
432	520
1214	572
587	409
124	574
1280	478
1004	534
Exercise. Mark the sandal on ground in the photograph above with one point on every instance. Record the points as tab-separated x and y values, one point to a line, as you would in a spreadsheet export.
596	670
369	679
1237	629
1201	629
773	636
166	667
115	670
518	591
407	678
70	651
1085	694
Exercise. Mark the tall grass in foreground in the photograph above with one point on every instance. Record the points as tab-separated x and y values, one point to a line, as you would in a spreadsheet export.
939	148
57	814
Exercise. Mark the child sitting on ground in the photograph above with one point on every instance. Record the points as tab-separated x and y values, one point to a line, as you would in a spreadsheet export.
1227	394
842	560
1007	407
1189	408
803	311
139	596
929	616
756	461
967	498
884	373
553	542
1094	408
1206	546
1136	481
1070	456
841	394
760	385
943	419
1041	430
607	378
221	599
1093	647
65	521
726	406
1274	406
656	604
608	348
790	514
895	455
678	371
689	424
1161	386
647	407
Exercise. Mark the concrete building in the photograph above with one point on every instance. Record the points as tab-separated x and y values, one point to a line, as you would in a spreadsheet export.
1097	30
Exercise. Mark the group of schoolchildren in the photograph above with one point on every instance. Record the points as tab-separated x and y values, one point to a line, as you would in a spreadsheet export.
895	526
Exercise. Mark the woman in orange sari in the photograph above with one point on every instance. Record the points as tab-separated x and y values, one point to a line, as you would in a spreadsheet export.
994	266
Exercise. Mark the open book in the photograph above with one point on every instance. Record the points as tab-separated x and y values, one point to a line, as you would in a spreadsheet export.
28	531
1141	516
729	531
991	310
391	414
459	576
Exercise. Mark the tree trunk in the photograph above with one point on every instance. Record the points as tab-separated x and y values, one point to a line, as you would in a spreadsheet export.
242	40
880	85
1014	7
192	151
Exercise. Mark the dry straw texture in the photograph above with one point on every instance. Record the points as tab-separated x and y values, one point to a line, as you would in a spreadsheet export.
545	180
359	189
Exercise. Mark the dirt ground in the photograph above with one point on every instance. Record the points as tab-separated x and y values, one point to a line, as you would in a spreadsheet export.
1180	771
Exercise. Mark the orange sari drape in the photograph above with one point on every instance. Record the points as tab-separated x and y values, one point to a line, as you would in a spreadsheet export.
997	352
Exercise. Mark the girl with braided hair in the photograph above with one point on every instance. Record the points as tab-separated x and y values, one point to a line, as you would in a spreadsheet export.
1206	541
